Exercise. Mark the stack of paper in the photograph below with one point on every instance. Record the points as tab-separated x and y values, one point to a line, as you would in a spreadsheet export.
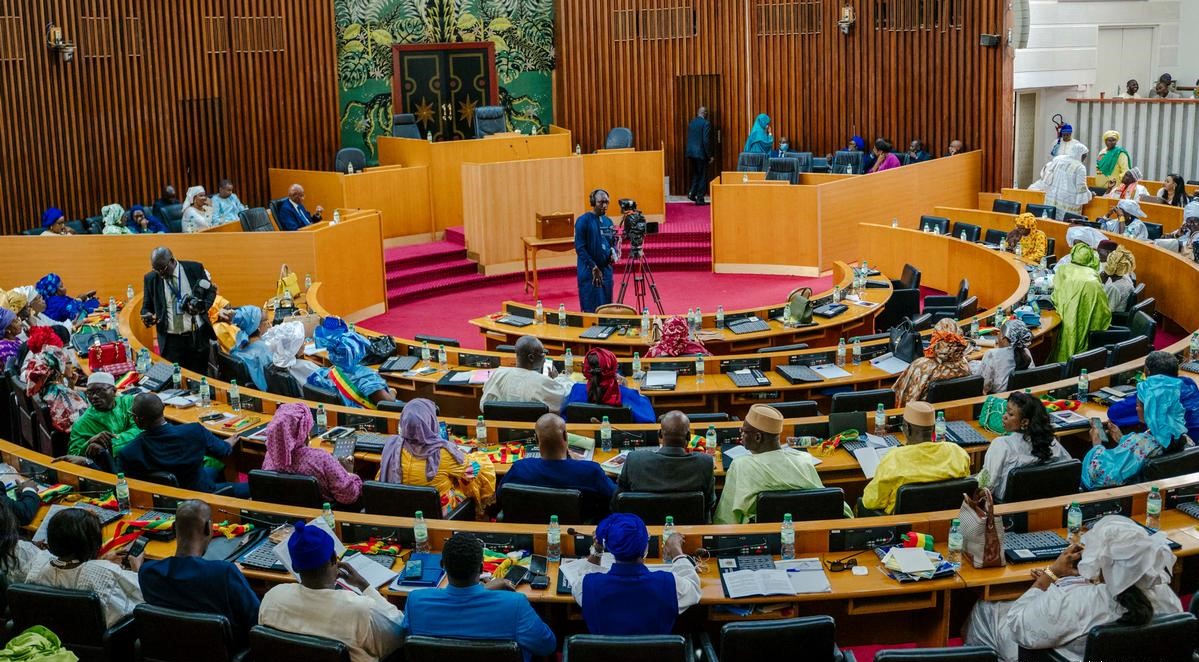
913	561
830	371
800	579
889	364
869	457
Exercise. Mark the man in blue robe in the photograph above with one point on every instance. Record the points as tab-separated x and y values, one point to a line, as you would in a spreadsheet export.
594	235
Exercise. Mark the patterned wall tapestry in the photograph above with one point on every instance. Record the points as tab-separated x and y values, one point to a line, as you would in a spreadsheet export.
523	32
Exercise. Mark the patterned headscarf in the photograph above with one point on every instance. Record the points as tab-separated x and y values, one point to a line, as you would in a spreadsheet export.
420	436
247	319
1164	415
51	216
15	300
946	344
1026	222
347	350
676	340
287	433
41	337
1084	256
29	291
1111	134
330	328
48	285
112	215
1120	262
191	195
1118	553
41	369
1017	334
602	387
284	341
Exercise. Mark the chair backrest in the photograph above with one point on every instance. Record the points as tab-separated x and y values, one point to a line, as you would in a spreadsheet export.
90	225
1041	481
797	408
1148	306
1022	379
498	410
1142	323
1090	360
318	394
280	381
583	412
751	641
287	489
638	648
838	422
1129	350
938	495
708	417
347	156
842	159
963	289
653	507
994	236
1175	464
970	386
615	309
1070	216
403	125
967	308
396	500
160	632
489	120
803	160
1006	206
256	220
274	206
1167	638
1040	210
233	368
172	217
922	322
938	223
847	401
783	169
271	645
440	649
902	304
1154	230
529	504
619	138
958	654
973	232
910	280
77	617
750	162
823	503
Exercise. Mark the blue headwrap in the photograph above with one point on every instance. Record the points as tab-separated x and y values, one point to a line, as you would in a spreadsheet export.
347	349
859	142
624	535
310	547
48	285
759	135
1066	128
1164	415
330	328
6	318
50	216
247	319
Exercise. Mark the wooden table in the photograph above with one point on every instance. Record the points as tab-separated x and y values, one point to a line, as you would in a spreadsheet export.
535	244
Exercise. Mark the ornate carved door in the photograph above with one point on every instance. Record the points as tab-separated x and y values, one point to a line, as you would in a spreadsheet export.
442	84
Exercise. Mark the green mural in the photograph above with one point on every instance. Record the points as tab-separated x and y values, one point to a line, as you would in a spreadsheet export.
522	30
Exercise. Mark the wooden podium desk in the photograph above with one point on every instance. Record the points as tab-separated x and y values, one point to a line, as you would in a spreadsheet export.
401	194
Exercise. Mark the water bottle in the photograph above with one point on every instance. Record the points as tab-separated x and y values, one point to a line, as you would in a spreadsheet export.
429	137
857	351
539	314
1003	245
699	368
234	396
349	168
974	328
336	216
636	363
122	493
327	515
998	317
420	533
177	377
606	435
205	396
939	430
112	308
841	352
443	360
1074	522
1153	508
1018	251
894	222
699	319
287	302
578	149
1084	385
443	431
667	532
836	294
307	282
710	439
744	178
553	541
720	317
480	430
645	323
129	293
143	361
880	420
691	321
956	542
562	316
425	353
1194	346
322	419
962	236
787	314
927	228
787	537
568	362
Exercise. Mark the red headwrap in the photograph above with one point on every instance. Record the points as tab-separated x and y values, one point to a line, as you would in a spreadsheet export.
40	336
602	387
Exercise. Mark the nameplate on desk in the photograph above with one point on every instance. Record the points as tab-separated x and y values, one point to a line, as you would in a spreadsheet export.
354	533
852	540
630	438
1180	495
1093	510
874	351
753	544
251	403
478	360
814	429
626	322
1015	523
37	472
677	367
504	542
551	318
521	435
258	518
459	378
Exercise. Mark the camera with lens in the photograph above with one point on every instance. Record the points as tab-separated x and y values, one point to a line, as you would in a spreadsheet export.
634	225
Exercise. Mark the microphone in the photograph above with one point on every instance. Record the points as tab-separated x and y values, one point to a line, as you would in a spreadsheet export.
252	519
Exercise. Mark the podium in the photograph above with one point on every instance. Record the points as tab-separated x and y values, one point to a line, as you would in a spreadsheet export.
401	194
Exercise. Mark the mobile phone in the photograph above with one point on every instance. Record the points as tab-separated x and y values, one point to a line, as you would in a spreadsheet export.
414	569
136	549
516	574
1101	430
212	417
540	582
537	564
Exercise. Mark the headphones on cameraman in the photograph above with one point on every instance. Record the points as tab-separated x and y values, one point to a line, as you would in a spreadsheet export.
591	198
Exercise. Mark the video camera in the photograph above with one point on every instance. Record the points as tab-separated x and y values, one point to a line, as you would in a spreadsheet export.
633	224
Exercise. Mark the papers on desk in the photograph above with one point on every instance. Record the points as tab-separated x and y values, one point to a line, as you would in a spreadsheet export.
869	457
807	577
614	465
469	376
39	536
311	350
830	371
662	380
177	398
889	364
372	572
572	570
912	560
734	452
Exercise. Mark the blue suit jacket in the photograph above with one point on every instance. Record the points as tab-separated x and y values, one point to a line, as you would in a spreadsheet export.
699	139
289	219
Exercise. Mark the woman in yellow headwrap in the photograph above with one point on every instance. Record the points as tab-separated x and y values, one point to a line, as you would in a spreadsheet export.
220	315
1117	278
1113	160
1032	241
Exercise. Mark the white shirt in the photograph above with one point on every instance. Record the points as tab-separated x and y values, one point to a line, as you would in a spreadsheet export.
367	624
301	369
27	553
1073	149
1010	452
686	582
1137	230
1086	234
1064	181
177	322
117	588
995	367
520	385
198	219
1134	193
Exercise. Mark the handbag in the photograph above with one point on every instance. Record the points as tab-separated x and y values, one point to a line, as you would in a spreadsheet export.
991	414
112	358
801	306
380	349
905	342
982	535
287	283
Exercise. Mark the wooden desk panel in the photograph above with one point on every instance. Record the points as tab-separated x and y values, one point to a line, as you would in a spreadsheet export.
1169	217
321	188
627	174
400	194
760	229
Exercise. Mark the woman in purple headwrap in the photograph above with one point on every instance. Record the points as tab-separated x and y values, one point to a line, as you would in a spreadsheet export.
142	223
59	306
10	328
287	451
419	456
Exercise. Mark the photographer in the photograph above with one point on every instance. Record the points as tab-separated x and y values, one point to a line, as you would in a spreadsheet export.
176	298
596	251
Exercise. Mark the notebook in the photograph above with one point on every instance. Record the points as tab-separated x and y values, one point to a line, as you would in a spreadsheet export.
431	572
661	380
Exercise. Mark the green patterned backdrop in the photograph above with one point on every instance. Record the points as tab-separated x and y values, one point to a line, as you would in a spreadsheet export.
523	32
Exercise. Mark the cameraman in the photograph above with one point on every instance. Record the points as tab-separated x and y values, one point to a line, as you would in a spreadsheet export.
176	297
597	249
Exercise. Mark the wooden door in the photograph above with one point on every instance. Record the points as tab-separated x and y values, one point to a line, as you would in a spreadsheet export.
691	92
442	84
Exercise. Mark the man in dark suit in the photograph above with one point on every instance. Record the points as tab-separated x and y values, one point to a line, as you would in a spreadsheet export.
699	155
176	297
292	214
671	468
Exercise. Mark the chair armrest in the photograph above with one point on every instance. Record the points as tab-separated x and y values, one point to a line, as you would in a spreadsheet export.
465	512
1109	336
1040	655
897	284
119	639
940	300
707	651
860	510
843	655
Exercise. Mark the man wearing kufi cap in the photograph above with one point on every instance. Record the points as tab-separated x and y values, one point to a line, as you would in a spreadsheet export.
770	467
629	599
367	624
1066	145
108	424
920	460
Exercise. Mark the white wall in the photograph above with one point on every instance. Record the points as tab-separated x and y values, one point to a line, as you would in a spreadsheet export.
1188	51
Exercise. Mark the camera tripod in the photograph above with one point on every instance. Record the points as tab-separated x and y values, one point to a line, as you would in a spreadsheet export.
639	272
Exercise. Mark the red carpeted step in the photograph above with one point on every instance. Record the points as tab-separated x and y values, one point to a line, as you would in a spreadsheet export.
437	252
428	272
456	235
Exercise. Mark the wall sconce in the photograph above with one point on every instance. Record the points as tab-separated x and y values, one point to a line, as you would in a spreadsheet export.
55	42
848	18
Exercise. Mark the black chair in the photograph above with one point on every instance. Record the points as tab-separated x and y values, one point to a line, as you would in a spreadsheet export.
751	641
708	417
256	220
867	401
508	349
949	300
1153	229
169	635
318	394
274	206
89	225
1167	466
619	138
1148	306
440	649
1132	349
751	162
1022	379
489	120
497	410
783	169
922	322
280	381
1042	481
583	412
1090	360
77	617
804	505
902	304
529	504
959	654
782	348
271	645
958	388
843	159
1050	248
653	507
172	217
1167	638
286	489
797	408
396	500
1006	206
803	160
940	224
847	420
347	157
638	648
403	125
163	478
909	280
994	237
1040	211
394	406
1140	324
434	341
1071	217
938	495
232	367
973	232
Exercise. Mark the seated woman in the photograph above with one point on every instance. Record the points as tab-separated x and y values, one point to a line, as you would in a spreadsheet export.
1126	219
1010	354
287	451
1183	239
884	159
16	555
605	386
1129	187
1174	191
675	340
1117	278
114	215
358	385
220	315
1032	241
286	344
419	456
74	537
1080	301
1030	440
37	309
1120	574
1113	463
10	329
197	210
251	324
59	306
945	358
139	222
54	223
49	376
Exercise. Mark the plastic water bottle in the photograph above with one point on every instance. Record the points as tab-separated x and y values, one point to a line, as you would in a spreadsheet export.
143	361
322	418
956	542
1153	508
710	439
1084	385
443	360
553	541
999	317
699	319
636	363
480	430
841	352
288	302
578	149
720	317
691	321
568	362
177	377
940	426
425	353
1195	346
307	282
1018	251
894	222
857	351
121	491
667	532
234	396
420	533
112	307
562	315
974	328
129	292
205	395
880	420
787	314
1074	521
744	178
836	294
1003	245
429	136
787	537
927	228
606	435
699	368
539	313
349	168
962	236
645	323
327	515
336	216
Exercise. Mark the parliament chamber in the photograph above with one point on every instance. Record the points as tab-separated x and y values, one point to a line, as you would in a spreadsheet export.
549	365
